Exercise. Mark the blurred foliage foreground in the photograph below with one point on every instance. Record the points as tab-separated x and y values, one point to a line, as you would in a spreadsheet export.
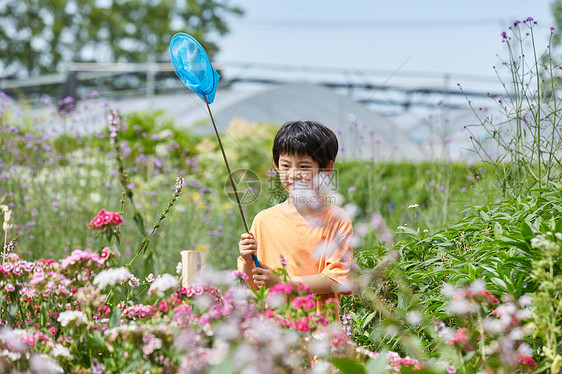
452	270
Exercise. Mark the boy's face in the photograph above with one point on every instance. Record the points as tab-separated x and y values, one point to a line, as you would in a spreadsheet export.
298	169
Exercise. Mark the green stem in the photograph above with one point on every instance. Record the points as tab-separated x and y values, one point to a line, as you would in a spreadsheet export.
538	112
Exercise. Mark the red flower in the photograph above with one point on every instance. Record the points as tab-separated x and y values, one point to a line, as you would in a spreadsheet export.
105	219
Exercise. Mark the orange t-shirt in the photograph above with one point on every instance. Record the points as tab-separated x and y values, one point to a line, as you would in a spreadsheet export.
318	244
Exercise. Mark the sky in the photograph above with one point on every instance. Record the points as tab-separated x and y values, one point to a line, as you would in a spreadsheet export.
390	40
409	43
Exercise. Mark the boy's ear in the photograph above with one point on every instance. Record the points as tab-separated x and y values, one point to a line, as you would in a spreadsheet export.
329	167
275	166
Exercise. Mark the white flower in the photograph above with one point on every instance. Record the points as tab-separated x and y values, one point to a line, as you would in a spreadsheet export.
75	316
12	338
43	364
275	300
95	197
414	318
163	283
525	349
448	290
516	334
319	348
525	300
413	206
133	281
524	314
150	278
111	277
542	243
477	286
351	209
166	133
462	306
161	150
60	350
178	268
493	325
151	343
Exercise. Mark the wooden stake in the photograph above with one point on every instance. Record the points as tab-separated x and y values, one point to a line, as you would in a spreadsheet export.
191	264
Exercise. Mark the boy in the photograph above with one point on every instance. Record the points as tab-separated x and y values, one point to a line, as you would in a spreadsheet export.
306	231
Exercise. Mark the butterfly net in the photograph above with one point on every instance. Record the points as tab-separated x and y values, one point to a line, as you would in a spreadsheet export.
193	66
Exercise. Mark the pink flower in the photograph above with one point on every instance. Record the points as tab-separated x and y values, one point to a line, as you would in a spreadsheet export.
528	362
302	324
489	296
281	287
204	320
116	219
163	306
306	302
105	219
236	274
104	309
461	339
303	287
105	253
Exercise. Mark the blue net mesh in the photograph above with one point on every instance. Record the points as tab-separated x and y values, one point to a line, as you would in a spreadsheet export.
193	66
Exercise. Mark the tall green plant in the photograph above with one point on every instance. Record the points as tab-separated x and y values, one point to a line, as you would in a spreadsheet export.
523	142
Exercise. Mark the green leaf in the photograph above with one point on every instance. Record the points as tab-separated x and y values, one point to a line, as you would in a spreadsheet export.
526	231
115	317
348	366
377	365
498	230
139	222
368	319
225	366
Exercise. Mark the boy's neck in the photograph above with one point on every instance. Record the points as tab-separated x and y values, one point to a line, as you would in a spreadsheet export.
303	210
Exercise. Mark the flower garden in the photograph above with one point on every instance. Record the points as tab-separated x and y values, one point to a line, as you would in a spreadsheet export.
458	265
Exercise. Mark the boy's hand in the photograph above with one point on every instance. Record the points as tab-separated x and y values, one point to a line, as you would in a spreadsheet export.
247	246
264	276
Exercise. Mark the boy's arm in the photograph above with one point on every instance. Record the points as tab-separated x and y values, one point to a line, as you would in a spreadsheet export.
320	284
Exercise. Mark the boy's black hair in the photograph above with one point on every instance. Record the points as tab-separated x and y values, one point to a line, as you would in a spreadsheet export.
306	138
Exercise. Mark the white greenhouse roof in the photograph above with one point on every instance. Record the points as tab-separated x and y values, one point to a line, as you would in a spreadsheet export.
361	132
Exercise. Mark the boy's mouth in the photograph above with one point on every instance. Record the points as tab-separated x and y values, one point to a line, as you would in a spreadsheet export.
300	185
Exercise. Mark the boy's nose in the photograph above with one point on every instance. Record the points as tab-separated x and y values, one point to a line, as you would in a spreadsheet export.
295	174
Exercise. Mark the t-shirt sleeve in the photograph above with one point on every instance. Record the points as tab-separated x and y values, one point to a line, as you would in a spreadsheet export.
339	262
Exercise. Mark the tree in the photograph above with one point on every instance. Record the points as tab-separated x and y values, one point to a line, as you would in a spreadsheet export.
42	36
